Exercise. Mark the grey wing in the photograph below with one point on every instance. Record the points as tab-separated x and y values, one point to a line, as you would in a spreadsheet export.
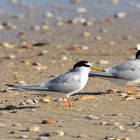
128	70
64	83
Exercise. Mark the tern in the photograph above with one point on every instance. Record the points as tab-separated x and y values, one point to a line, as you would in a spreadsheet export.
69	83
125	73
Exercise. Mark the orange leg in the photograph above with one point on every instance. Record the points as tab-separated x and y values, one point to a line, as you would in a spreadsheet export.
130	89
66	102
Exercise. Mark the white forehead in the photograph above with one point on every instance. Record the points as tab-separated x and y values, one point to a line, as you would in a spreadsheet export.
89	64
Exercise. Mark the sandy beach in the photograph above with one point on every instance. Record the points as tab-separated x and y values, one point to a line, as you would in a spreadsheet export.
39	40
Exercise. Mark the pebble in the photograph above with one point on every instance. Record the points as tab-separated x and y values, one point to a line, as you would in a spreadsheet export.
91	117
84	48
2	124
112	43
48	121
120	15
104	123
22	82
1	27
33	129
7	45
136	124
24	136
130	98
49	14
86	34
81	10
123	138
43	52
42	138
9	25
15	132
45	99
54	133
138	46
124	95
36	28
11	56
76	1
115	2
16	124
110	138
103	62
82	136
64	58
98	38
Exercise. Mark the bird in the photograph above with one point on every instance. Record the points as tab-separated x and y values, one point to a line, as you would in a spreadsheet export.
69	83
125	73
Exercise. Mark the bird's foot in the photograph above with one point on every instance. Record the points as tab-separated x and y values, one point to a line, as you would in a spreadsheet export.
67	103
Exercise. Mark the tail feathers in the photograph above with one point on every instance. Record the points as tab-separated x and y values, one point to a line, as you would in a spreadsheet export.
28	87
101	74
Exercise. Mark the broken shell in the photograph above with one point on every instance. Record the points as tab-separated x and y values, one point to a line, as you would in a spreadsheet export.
46	99
33	129
48	121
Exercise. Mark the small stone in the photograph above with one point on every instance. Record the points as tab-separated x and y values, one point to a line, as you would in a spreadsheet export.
48	121
129	98
15	132
84	48
138	46
121	128
91	117
112	43
2	124
36	28
115	2
24	136
46	99
104	31
64	58
16	124
49	14
103	62
42	138
82	136
98	38
43	52
136	124
11	56
123	138
111	138
81	10
124	95
7	45
33	129
54	133
88	23
1	27
22	82
120	15
104	123
76	1
86	34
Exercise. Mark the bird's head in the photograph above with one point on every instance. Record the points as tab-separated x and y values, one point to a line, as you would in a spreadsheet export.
85	65
138	54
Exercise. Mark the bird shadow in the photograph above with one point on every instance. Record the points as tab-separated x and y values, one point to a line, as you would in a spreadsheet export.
12	107
91	93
